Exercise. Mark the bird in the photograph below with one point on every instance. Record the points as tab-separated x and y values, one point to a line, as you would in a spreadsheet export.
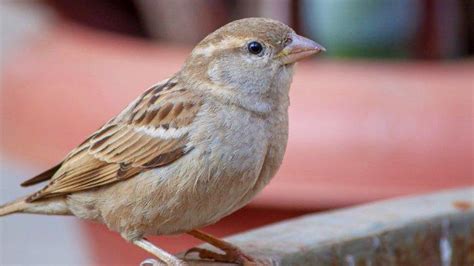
190	150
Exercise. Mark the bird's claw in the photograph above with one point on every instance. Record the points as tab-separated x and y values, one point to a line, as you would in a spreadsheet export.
153	262
231	256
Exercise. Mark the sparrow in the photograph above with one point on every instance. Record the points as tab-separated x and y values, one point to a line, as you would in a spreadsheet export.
190	150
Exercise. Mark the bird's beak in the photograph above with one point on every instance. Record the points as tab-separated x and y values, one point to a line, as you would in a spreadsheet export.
299	48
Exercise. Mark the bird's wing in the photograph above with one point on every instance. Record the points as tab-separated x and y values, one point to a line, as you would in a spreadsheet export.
151	132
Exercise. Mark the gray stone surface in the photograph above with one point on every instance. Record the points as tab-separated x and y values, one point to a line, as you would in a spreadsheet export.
434	229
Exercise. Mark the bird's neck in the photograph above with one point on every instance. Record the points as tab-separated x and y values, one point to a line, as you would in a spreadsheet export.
276	97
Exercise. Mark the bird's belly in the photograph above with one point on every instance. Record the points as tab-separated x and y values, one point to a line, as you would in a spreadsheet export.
198	189
207	197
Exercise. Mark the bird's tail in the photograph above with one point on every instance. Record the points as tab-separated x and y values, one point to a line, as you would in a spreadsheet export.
18	205
53	206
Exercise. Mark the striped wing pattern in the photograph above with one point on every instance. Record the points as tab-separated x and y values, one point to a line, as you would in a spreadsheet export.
151	132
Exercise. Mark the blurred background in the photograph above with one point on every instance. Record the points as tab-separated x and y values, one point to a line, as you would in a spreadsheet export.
387	111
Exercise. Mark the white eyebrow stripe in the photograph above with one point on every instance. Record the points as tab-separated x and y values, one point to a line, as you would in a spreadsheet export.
160	132
205	51
229	42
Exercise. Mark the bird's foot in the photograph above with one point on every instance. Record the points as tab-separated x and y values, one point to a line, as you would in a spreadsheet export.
232	255
151	262
165	257
154	262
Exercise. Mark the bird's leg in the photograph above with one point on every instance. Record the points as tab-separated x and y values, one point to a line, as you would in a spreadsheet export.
232	253
164	256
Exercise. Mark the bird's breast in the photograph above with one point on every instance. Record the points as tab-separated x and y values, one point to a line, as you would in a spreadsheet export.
239	150
234	142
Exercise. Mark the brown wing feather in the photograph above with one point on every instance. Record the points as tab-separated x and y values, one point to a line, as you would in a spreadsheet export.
46	175
124	147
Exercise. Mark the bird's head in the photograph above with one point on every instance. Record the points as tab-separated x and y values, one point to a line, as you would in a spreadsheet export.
249	55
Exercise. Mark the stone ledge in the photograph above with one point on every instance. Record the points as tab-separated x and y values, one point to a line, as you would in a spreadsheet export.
433	229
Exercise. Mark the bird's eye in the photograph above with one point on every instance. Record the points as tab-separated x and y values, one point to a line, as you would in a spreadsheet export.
255	47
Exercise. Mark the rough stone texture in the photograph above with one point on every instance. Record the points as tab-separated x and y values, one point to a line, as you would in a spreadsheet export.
434	229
